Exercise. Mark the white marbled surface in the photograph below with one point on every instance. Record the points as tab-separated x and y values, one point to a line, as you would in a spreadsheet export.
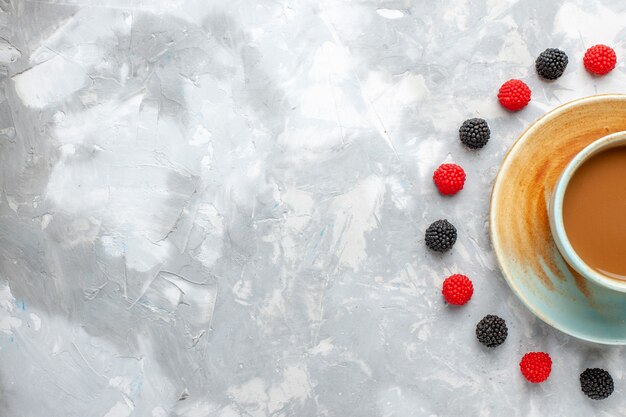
216	208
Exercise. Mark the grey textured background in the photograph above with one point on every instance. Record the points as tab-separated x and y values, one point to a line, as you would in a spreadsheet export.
217	208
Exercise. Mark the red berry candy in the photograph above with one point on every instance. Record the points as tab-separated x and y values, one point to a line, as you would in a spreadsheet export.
600	59
514	95
457	289
536	366
449	178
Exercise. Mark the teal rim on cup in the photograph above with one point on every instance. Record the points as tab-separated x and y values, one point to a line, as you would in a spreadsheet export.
555	212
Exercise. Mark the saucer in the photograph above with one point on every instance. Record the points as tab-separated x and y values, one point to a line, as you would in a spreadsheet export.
520	230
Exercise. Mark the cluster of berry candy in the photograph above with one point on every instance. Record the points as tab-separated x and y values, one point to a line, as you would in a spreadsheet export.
514	94
449	178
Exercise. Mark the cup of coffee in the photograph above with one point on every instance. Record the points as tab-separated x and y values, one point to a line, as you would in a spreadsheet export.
588	212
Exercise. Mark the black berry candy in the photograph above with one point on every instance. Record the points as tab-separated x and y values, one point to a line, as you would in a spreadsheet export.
551	63
474	133
440	236
491	331
596	383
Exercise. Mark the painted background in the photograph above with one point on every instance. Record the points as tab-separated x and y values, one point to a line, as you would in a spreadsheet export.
217	208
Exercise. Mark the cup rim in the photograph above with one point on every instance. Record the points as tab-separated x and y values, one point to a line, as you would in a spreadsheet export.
556	212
